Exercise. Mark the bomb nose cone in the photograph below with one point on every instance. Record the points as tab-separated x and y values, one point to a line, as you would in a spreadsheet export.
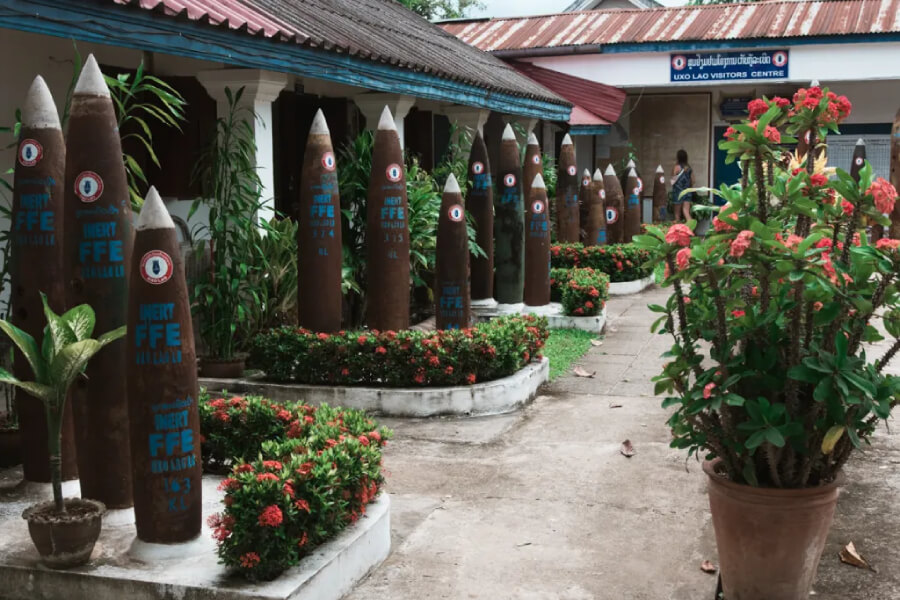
630	164
632	172
567	140
609	170
154	214
532	139
814	83
386	123
91	82
860	142
538	182
39	110
452	186
508	133
659	169
587	173
319	124
598	174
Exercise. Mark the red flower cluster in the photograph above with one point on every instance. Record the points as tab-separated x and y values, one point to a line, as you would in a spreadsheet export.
271	516
884	195
679	234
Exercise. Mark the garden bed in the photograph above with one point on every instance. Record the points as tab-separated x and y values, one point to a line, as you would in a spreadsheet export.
487	398
625	288
555	317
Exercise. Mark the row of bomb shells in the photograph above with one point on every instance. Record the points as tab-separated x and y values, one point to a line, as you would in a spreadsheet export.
134	423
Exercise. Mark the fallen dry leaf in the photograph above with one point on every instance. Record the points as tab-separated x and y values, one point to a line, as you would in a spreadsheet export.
615	405
850	556
707	567
627	449
596	343
580	372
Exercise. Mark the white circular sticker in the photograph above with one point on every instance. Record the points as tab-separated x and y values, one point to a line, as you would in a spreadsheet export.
536	159
328	161
30	152
88	186
456	213
585	181
478	168
679	62
640	186
394	172
779	59
603	194
662	179
156	267
509	180
637	191
612	215
571	170
537	207
858	160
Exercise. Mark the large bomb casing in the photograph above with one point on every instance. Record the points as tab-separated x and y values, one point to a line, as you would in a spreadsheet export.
615	207
162	385
98	244
595	223
537	246
584	201
895	175
480	203
623	178
632	207
567	226
387	232
451	280
36	266
858	161
319	251
531	167
660	196
509	224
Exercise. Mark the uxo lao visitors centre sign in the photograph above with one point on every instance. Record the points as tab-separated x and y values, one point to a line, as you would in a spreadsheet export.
729	66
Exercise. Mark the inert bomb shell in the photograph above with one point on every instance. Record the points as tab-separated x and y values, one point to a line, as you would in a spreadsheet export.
632	207
537	246
451	279
858	160
98	243
480	203
162	385
509	224
319	253
895	175
567	226
595	223
615	207
35	240
387	232
533	165
660	196
584	201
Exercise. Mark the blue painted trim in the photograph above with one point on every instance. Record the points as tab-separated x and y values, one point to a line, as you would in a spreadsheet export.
737	44
134	28
589	130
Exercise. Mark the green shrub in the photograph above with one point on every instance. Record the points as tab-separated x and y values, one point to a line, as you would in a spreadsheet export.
299	489
583	292
407	358
622	262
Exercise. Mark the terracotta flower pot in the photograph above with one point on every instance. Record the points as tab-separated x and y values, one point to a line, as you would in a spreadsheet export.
232	368
10	447
769	540
65	540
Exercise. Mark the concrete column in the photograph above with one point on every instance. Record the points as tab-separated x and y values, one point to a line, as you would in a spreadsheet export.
548	137
261	89
371	106
473	119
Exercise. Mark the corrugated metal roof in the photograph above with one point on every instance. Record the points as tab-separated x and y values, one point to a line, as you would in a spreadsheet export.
755	20
377	30
604	101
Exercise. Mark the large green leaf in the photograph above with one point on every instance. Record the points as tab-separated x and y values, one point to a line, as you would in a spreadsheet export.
111	336
71	361
80	320
57	334
40	391
29	349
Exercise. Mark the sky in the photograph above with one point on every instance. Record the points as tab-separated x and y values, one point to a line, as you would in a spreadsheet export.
510	8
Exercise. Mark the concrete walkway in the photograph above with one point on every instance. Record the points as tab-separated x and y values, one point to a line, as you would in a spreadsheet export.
541	505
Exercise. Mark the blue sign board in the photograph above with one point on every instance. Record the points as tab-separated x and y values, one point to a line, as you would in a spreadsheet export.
729	66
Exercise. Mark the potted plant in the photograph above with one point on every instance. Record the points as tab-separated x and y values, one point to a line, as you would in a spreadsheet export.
63	531
770	376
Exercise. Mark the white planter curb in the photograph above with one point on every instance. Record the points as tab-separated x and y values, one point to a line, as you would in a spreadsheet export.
625	288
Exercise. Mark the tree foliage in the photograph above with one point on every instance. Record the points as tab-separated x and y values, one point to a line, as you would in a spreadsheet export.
441	9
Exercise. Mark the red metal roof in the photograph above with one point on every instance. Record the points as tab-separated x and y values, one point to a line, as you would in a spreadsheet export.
581	118
377	30
755	20
604	101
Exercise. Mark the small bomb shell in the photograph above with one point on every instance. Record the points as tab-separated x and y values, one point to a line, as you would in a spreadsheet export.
858	160
595	223
98	242
660	196
632	207
35	239
319	252
537	246
615	207
509	224
162	385
480	203
533	165
451	280
584	201
567	226
387	228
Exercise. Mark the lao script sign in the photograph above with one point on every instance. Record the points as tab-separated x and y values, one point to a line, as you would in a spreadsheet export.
729	66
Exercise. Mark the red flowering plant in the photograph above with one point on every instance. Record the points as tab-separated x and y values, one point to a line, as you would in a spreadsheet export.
622	262
772	311
298	491
583	292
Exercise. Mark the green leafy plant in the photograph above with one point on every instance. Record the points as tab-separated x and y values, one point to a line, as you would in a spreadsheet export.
408	358
8	416
582	291
771	312
64	353
275	278
622	262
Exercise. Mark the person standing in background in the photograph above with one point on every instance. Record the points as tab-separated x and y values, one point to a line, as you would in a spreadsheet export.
682	179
